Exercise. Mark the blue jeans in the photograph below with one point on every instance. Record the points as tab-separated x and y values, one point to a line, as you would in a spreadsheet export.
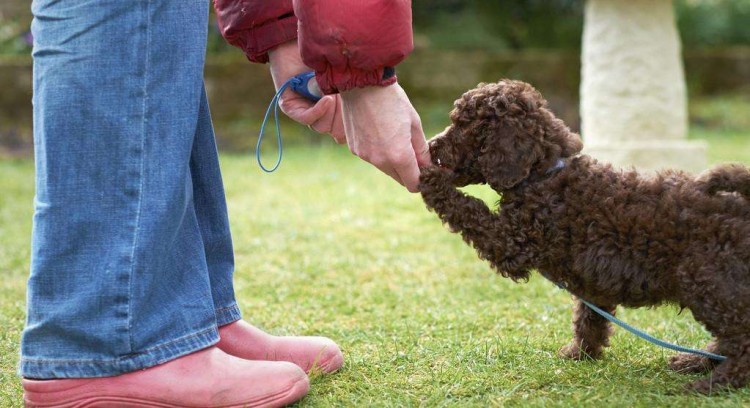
132	260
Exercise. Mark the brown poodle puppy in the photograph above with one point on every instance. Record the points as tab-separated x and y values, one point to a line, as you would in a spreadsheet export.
609	236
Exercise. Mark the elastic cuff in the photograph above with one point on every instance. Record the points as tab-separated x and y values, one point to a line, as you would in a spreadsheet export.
227	315
334	81
260	40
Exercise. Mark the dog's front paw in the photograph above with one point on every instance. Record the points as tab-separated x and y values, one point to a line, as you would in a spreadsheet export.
575	351
435	176
436	186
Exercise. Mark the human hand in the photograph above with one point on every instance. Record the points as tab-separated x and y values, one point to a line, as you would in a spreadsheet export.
323	116
382	128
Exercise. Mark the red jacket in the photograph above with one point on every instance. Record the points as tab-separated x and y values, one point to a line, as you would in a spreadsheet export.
349	43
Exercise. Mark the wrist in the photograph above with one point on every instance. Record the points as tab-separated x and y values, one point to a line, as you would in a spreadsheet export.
341	79
285	62
283	52
369	92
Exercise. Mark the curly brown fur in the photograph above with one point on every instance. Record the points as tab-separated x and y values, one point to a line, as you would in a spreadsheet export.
610	236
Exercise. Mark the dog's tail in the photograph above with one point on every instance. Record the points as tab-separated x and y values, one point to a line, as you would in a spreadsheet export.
728	178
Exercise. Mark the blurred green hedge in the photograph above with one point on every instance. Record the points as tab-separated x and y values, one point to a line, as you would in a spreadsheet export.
458	43
240	91
558	24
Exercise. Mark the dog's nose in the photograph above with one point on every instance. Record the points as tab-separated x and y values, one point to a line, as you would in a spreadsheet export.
438	157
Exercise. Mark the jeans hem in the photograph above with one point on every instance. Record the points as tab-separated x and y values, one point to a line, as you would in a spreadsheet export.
60	368
228	314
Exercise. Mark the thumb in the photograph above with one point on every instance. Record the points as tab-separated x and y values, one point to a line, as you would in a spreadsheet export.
303	111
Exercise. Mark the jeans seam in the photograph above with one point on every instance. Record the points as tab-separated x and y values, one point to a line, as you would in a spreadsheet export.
144	120
146	351
234	306
228	315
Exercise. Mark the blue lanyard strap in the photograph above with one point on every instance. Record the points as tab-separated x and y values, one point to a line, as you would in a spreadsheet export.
299	84
275	106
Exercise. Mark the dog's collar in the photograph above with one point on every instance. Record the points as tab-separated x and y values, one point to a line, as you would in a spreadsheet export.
559	165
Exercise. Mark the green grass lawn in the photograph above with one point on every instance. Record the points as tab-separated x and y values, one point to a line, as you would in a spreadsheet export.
329	246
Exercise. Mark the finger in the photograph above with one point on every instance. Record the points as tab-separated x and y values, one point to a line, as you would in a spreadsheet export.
382	163
321	128
332	123
392	173
408	171
339	136
337	123
421	148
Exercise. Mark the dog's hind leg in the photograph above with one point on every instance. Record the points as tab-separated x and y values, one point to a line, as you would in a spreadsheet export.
734	372
591	333
718	295
693	363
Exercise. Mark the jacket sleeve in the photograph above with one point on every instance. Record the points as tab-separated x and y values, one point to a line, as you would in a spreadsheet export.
353	43
349	43
256	26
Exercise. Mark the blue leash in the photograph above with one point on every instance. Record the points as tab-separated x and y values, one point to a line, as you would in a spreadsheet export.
300	84
646	336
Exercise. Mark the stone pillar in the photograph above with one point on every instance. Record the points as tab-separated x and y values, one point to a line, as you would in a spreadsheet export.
633	96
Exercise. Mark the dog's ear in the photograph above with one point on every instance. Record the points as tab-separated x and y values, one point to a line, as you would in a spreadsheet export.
572	144
506	157
566	143
556	141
